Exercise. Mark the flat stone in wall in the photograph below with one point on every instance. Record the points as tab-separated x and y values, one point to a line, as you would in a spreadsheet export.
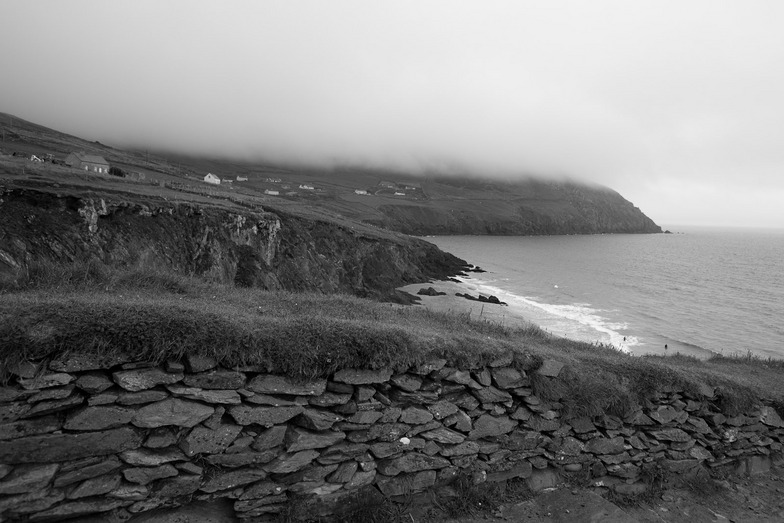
61	447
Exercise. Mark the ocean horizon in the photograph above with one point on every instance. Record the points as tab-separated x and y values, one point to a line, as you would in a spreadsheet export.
699	291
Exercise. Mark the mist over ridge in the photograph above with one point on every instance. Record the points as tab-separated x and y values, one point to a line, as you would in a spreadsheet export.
676	107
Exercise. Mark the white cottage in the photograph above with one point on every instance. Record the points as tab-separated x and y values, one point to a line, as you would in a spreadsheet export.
211	178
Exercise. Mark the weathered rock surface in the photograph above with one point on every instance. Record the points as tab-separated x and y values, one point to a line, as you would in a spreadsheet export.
30	427
61	447
141	397
87	471
271	384
411	462
443	435
142	379
286	462
172	411
605	445
242	459
221	397
362	376
177	486
233	479
151	457
99	418
96	486
45	381
216	379
416	416
30	502
318	419
300	439
48	407
161	437
145	475
77	508
270	438
508	378
265	416
196	363
487	425
25	478
202	440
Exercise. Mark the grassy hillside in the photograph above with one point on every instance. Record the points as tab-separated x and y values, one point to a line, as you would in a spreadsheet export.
420	204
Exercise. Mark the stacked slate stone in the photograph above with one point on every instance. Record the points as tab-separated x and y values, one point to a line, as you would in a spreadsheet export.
82	436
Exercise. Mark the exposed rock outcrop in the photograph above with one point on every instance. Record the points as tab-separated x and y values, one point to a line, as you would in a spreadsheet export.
248	248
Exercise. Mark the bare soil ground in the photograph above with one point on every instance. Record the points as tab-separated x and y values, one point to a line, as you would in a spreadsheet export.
739	499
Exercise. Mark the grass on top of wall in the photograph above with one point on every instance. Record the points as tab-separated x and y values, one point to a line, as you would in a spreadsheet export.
155	315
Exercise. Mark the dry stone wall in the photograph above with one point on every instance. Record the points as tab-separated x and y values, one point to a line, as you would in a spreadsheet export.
80	436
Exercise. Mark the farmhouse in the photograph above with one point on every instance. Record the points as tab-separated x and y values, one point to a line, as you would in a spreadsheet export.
87	162
242	178
211	178
272	192
387	185
307	187
360	191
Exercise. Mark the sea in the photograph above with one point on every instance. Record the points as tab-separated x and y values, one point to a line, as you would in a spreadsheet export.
699	291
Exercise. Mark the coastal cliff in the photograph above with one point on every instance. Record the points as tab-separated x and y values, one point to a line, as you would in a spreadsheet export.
529	207
250	247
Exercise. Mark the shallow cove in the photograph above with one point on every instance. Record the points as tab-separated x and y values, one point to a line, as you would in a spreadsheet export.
701	292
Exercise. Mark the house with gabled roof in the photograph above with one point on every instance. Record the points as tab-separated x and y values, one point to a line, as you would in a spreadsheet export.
87	162
211	178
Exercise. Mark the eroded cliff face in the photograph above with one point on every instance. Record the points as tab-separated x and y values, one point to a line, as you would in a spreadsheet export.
250	248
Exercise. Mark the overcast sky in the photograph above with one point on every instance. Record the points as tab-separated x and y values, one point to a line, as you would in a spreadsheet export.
678	105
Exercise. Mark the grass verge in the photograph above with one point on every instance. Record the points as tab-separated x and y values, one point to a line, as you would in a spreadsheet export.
51	310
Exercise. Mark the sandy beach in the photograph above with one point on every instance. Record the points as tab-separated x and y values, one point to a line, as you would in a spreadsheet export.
501	314
510	316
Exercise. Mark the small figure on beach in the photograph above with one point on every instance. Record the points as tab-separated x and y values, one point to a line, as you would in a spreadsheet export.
665	347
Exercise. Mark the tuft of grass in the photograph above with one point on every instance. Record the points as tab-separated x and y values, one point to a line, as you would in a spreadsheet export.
703	485
472	499
748	358
367	505
587	391
656	480
44	274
